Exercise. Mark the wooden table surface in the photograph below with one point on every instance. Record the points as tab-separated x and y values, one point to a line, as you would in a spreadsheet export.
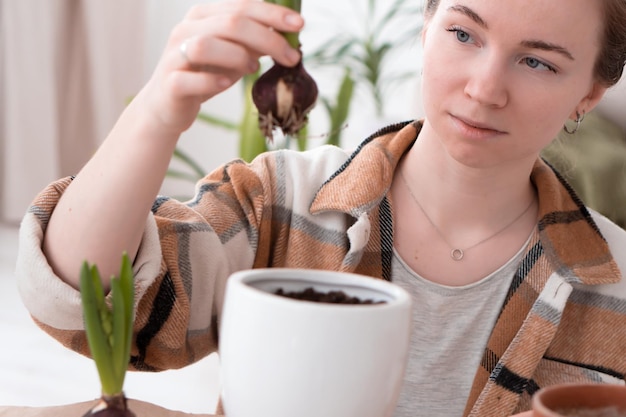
140	408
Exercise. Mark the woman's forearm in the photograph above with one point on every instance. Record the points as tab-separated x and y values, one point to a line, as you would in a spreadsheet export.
104	210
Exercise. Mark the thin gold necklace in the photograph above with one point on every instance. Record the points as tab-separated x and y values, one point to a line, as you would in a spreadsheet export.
457	253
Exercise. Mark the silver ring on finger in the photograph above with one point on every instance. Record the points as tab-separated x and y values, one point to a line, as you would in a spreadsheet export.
183	51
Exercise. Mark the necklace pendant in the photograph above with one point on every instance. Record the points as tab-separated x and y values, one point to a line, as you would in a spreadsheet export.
457	254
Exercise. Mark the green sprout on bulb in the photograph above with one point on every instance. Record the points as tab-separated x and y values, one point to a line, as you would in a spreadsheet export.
109	334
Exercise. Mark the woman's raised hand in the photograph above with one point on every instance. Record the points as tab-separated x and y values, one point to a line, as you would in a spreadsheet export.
213	47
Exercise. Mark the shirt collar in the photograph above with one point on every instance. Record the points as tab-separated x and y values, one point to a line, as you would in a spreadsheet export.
373	163
569	236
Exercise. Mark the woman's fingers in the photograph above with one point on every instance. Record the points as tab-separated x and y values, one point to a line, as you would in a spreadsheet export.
280	18
257	36
242	27
201	84
211	49
217	55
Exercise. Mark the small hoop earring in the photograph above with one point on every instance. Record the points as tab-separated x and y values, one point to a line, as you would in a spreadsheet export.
579	120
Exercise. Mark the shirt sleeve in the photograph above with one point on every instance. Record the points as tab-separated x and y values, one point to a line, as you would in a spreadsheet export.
184	259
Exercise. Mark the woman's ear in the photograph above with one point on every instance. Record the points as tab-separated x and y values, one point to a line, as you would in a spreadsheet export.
591	100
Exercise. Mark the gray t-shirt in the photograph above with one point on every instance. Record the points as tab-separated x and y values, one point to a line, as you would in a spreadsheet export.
451	327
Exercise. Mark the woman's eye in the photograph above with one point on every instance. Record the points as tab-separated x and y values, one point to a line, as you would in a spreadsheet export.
461	35
534	63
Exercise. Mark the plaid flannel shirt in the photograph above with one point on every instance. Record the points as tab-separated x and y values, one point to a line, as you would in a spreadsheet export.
563	320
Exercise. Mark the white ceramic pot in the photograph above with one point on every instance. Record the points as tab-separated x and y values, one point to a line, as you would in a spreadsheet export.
282	357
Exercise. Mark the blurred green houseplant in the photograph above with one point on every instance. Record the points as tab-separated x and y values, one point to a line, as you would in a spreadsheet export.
362	56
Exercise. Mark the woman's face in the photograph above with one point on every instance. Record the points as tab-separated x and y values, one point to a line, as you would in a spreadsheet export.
501	77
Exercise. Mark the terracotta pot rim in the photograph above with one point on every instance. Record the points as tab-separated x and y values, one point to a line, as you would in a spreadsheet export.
587	395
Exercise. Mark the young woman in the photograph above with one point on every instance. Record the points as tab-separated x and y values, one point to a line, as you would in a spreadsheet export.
516	284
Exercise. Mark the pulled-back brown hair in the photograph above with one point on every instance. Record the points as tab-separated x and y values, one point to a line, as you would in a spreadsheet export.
609	65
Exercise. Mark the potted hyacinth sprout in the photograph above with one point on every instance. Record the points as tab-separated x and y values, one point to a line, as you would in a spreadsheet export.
109	328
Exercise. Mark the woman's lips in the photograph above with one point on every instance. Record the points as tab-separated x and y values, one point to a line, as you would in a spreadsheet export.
475	129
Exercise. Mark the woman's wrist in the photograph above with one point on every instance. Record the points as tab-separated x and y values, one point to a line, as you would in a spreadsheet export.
146	122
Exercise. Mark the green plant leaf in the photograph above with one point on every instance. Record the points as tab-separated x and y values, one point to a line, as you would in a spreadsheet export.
92	298
339	113
109	330
292	38
127	289
189	161
174	173
392	12
252	142
216	121
302	136
119	331
366	53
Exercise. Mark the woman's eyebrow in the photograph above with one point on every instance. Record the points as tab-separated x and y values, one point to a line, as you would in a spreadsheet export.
533	44
469	13
547	46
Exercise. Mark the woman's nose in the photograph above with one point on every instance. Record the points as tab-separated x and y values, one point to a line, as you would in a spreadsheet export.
487	83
